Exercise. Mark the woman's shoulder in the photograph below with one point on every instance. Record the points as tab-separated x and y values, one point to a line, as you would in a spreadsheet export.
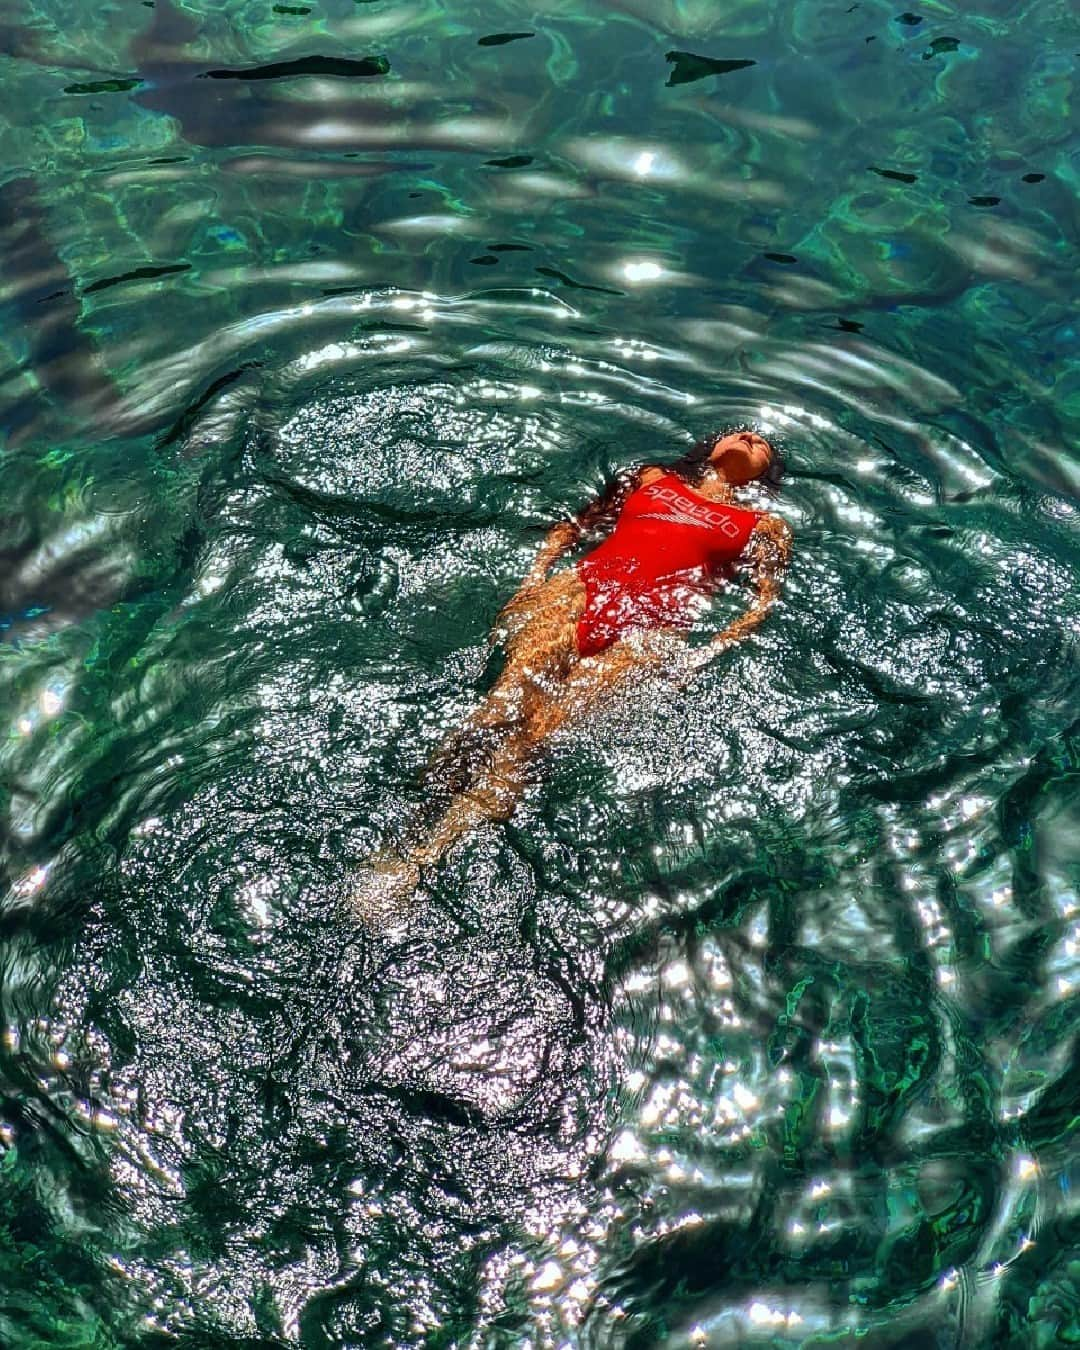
769	523
650	473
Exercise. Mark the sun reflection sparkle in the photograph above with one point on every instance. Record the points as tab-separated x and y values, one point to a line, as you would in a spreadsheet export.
642	271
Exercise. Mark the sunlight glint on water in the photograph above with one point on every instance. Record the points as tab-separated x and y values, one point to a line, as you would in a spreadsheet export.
754	1025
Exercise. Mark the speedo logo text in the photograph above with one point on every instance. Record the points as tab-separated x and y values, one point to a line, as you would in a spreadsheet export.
692	512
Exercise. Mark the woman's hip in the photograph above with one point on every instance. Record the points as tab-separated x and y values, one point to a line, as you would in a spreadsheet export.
545	616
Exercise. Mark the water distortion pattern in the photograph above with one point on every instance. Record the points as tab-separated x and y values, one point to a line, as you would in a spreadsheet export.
755	1025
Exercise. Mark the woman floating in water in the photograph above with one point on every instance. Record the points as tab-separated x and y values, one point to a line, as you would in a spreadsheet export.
575	636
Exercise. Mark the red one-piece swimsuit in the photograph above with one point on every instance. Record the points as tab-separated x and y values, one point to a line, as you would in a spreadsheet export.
667	550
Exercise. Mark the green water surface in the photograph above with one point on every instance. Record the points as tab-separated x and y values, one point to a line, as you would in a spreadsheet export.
756	1025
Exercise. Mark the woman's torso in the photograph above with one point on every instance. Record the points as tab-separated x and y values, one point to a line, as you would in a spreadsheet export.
669	547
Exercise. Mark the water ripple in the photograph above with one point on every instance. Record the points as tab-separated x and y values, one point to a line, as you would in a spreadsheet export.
755	1024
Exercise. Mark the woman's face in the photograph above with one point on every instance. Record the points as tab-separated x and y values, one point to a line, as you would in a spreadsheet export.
741	457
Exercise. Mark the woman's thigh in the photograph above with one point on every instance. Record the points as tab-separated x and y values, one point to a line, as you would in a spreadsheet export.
611	673
556	602
541	627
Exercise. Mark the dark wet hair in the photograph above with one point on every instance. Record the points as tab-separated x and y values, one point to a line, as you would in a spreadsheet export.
691	466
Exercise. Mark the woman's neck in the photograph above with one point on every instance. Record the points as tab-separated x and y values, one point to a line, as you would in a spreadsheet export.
715	486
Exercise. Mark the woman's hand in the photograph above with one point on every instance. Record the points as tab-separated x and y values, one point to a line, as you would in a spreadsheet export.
381	894
769	553
666	651
561	536
557	540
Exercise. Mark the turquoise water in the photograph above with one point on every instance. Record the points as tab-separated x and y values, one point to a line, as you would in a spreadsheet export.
756	1024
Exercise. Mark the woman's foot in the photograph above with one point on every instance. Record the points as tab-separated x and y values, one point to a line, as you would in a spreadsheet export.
380	894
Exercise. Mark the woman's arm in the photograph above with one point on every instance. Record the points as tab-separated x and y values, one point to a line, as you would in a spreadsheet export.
768	552
558	539
601	513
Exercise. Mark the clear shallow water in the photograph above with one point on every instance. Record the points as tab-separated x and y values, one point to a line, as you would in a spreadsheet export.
756	1024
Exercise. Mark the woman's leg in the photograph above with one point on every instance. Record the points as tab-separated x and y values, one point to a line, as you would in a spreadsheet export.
538	634
569	689
484	765
594	679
